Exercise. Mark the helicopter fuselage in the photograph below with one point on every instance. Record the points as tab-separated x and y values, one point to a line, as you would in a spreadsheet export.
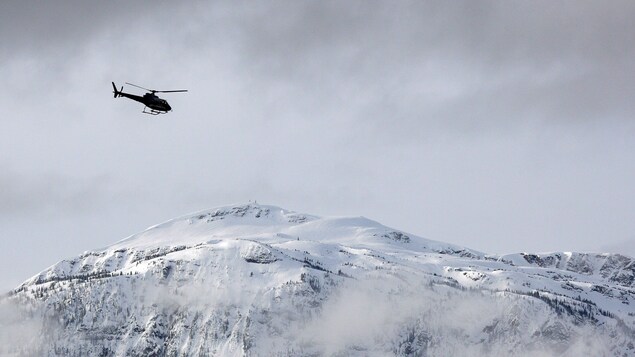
150	100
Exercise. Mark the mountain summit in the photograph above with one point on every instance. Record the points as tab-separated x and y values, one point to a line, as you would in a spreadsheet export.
259	280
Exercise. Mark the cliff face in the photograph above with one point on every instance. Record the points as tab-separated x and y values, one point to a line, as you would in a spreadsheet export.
259	280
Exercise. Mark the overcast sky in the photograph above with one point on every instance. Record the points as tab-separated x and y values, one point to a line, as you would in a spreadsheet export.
502	126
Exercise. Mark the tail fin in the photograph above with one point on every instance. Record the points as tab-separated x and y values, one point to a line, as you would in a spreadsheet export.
116	92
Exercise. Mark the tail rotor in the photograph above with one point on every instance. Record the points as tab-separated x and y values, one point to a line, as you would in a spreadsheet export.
117	93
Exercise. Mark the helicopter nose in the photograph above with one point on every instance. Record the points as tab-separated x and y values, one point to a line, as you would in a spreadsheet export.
169	107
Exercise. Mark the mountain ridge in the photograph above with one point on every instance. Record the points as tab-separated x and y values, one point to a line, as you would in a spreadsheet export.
259	278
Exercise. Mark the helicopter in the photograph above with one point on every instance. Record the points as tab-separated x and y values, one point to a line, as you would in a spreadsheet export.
153	104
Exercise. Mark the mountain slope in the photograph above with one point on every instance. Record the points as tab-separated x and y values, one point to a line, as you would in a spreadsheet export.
259	280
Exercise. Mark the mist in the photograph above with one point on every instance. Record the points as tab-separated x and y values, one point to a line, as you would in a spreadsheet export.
23	328
414	316
372	315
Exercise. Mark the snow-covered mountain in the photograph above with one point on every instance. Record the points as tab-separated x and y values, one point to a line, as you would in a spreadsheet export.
257	280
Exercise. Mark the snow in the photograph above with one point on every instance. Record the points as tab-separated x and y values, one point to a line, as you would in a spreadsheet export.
258	278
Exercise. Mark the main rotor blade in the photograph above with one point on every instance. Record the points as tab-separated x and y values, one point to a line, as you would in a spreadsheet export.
171	91
158	91
134	85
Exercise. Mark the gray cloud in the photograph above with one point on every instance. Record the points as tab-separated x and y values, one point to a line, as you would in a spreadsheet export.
474	64
466	61
50	193
64	26
432	68
470	122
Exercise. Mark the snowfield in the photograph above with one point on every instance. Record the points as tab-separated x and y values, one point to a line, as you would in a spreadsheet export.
258	280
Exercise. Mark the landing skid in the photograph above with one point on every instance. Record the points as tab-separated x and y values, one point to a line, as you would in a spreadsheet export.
152	111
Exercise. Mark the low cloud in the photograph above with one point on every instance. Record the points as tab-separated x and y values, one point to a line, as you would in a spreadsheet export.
626	247
20	328
377	314
410	316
